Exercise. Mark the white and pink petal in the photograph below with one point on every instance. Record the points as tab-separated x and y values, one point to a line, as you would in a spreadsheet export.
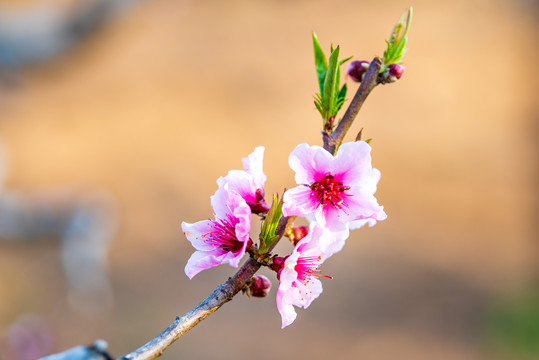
253	166
299	201
309	162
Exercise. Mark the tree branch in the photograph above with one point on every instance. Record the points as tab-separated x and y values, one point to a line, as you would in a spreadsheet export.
225	292
221	295
369	82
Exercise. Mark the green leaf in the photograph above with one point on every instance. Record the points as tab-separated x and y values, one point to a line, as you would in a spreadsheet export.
341	98
269	226
331	85
320	63
331	97
396	45
345	60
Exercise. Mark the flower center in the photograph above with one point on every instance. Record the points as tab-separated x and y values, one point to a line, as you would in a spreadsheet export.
306	267
328	191
223	235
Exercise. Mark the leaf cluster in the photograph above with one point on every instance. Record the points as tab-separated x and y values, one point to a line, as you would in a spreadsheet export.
396	45
269	227
331	97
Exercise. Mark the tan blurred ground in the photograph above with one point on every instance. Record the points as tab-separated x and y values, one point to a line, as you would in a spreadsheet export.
172	94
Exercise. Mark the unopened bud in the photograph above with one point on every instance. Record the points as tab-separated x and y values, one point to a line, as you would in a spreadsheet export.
260	286
299	232
277	265
357	69
396	71
260	206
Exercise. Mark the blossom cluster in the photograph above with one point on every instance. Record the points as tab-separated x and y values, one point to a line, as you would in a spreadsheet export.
335	193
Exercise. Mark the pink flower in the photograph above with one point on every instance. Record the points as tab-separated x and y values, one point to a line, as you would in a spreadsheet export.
336	189
249	184
298	279
223	240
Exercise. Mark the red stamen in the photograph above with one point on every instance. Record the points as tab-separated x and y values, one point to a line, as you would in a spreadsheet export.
328	191
306	267
223	235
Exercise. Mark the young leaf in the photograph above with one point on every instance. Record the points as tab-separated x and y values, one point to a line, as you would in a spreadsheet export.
340	98
320	63
345	60
269	226
331	97
396	45
331	85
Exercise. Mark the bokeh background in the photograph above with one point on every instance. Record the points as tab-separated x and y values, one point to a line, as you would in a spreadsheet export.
117	117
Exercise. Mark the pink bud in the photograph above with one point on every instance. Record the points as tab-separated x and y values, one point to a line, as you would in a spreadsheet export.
396	71
260	206
357	69
260	286
277	263
299	232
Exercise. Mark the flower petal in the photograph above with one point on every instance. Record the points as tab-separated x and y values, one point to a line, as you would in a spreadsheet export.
363	205
241	182
287	311
220	203
308	293
196	232
202	260
333	239
310	163
299	201
352	162
253	165
353	225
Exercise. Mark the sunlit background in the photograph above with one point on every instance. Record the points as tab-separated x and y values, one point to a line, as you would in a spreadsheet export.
117	117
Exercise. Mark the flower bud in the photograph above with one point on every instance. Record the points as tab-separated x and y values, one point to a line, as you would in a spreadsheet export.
260	206
299	232
396	71
277	263
357	69
260	286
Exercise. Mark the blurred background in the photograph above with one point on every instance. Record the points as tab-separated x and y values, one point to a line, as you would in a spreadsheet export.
118	116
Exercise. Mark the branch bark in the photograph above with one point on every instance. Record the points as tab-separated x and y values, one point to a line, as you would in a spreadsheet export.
369	82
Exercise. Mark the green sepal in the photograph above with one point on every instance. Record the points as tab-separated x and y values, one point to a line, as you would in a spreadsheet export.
320	62
396	45
269	227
